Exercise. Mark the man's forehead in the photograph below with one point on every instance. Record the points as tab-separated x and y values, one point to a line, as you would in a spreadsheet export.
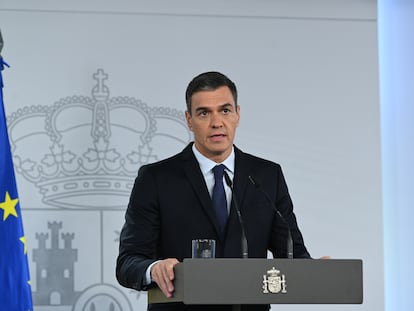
225	105
222	94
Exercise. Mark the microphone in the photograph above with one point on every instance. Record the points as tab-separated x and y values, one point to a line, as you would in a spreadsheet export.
245	252
289	238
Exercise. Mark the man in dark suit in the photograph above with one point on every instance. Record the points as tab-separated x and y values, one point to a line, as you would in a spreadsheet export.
171	204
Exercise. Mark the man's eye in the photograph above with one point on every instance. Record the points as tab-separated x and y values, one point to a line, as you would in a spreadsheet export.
203	113
225	111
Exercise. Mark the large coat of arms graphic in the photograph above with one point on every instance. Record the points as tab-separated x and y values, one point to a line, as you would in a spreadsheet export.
77	160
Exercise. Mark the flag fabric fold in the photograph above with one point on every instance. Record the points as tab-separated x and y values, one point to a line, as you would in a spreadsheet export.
15	289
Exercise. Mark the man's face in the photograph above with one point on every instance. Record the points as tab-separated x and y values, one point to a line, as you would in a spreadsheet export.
213	119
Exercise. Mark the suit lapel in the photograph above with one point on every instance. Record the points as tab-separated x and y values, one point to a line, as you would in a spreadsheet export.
196	179
241	175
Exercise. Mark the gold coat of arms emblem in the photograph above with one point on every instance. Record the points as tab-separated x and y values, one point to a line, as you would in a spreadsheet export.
274	282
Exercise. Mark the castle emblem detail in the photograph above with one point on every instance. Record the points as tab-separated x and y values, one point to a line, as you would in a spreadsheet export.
55	268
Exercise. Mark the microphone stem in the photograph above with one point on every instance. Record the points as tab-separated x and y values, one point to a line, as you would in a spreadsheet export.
244	246
245	252
289	242
289	246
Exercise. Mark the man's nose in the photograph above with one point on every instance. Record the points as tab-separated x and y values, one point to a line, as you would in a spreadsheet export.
216	120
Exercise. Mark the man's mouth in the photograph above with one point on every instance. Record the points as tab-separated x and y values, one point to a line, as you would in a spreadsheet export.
217	136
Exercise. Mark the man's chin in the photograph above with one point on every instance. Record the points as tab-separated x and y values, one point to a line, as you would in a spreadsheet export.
219	152
214	151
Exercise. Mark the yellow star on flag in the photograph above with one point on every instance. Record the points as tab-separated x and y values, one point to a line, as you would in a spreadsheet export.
9	206
24	241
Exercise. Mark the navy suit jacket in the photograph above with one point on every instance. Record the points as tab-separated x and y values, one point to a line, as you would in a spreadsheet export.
170	206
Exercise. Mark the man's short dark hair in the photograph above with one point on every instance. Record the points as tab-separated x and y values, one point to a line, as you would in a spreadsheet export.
209	81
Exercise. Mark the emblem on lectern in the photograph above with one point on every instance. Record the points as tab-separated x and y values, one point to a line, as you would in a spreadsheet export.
274	282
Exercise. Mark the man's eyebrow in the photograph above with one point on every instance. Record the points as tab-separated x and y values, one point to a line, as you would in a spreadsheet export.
226	105
223	106
201	108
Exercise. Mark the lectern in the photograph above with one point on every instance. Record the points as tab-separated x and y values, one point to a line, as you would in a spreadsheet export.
265	281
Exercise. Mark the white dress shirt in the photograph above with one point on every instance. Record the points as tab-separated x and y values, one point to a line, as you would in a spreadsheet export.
206	167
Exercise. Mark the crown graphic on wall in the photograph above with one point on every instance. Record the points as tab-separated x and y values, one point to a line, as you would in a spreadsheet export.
84	152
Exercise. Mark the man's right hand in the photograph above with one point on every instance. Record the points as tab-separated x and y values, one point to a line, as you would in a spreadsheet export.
162	273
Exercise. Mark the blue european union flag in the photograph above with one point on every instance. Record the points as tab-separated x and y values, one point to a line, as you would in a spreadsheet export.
15	290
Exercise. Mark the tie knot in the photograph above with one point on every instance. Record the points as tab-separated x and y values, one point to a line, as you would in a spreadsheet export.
218	171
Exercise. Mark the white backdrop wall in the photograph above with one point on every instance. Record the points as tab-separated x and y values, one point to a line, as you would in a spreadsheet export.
307	75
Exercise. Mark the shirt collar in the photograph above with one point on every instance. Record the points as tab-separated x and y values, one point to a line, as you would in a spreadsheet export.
206	164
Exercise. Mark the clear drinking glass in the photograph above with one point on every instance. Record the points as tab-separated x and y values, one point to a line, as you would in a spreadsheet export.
203	248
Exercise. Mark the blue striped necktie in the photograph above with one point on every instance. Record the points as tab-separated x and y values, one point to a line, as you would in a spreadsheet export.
219	197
